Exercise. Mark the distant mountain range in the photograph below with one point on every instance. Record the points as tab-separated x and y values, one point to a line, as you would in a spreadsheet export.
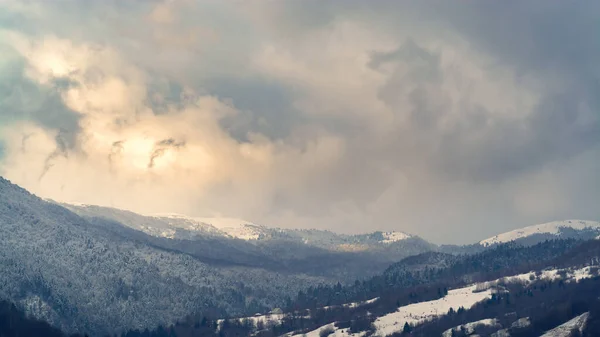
98	269
176	226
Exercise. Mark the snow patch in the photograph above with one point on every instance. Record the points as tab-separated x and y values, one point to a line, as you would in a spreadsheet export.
217	222
390	237
267	320
223	223
352	305
358	304
521	323
232	227
72	203
336	332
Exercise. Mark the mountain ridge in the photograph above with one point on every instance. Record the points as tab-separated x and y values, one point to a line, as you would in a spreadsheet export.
167	225
554	229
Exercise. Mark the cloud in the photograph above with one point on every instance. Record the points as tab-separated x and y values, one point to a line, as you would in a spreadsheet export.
60	151
436	119
161	148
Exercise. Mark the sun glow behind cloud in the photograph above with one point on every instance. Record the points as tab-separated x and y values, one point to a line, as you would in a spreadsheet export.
334	116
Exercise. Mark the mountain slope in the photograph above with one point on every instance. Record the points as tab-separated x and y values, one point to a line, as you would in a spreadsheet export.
181	226
103	270
526	303
14	323
565	329
317	252
83	277
551	230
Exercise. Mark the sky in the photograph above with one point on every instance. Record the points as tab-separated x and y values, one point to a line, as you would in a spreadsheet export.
450	120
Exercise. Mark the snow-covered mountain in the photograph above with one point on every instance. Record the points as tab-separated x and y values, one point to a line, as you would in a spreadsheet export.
85	267
227	227
551	230
84	275
177	226
246	230
90	268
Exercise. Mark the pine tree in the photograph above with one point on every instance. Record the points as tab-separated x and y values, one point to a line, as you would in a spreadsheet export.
407	328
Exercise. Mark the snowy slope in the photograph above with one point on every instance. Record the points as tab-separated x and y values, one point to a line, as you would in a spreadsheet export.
565	329
415	313
322	253
232	227
469	328
420	312
335	332
469	296
168	226
555	228
172	225
466	297
80	276
246	230
185	227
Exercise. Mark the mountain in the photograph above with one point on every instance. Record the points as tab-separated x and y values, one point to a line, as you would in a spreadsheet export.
550	295
102	270
103	277
340	257
547	301
186	227
578	229
167	226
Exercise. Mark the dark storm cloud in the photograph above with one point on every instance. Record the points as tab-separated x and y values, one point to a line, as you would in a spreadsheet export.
22	99
564	124
534	35
552	40
266	107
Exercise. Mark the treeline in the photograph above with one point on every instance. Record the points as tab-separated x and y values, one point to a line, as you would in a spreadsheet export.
356	318
419	278
429	268
546	304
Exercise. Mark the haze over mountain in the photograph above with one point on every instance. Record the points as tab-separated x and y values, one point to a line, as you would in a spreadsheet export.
227	168
449	121
86	268
102	272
